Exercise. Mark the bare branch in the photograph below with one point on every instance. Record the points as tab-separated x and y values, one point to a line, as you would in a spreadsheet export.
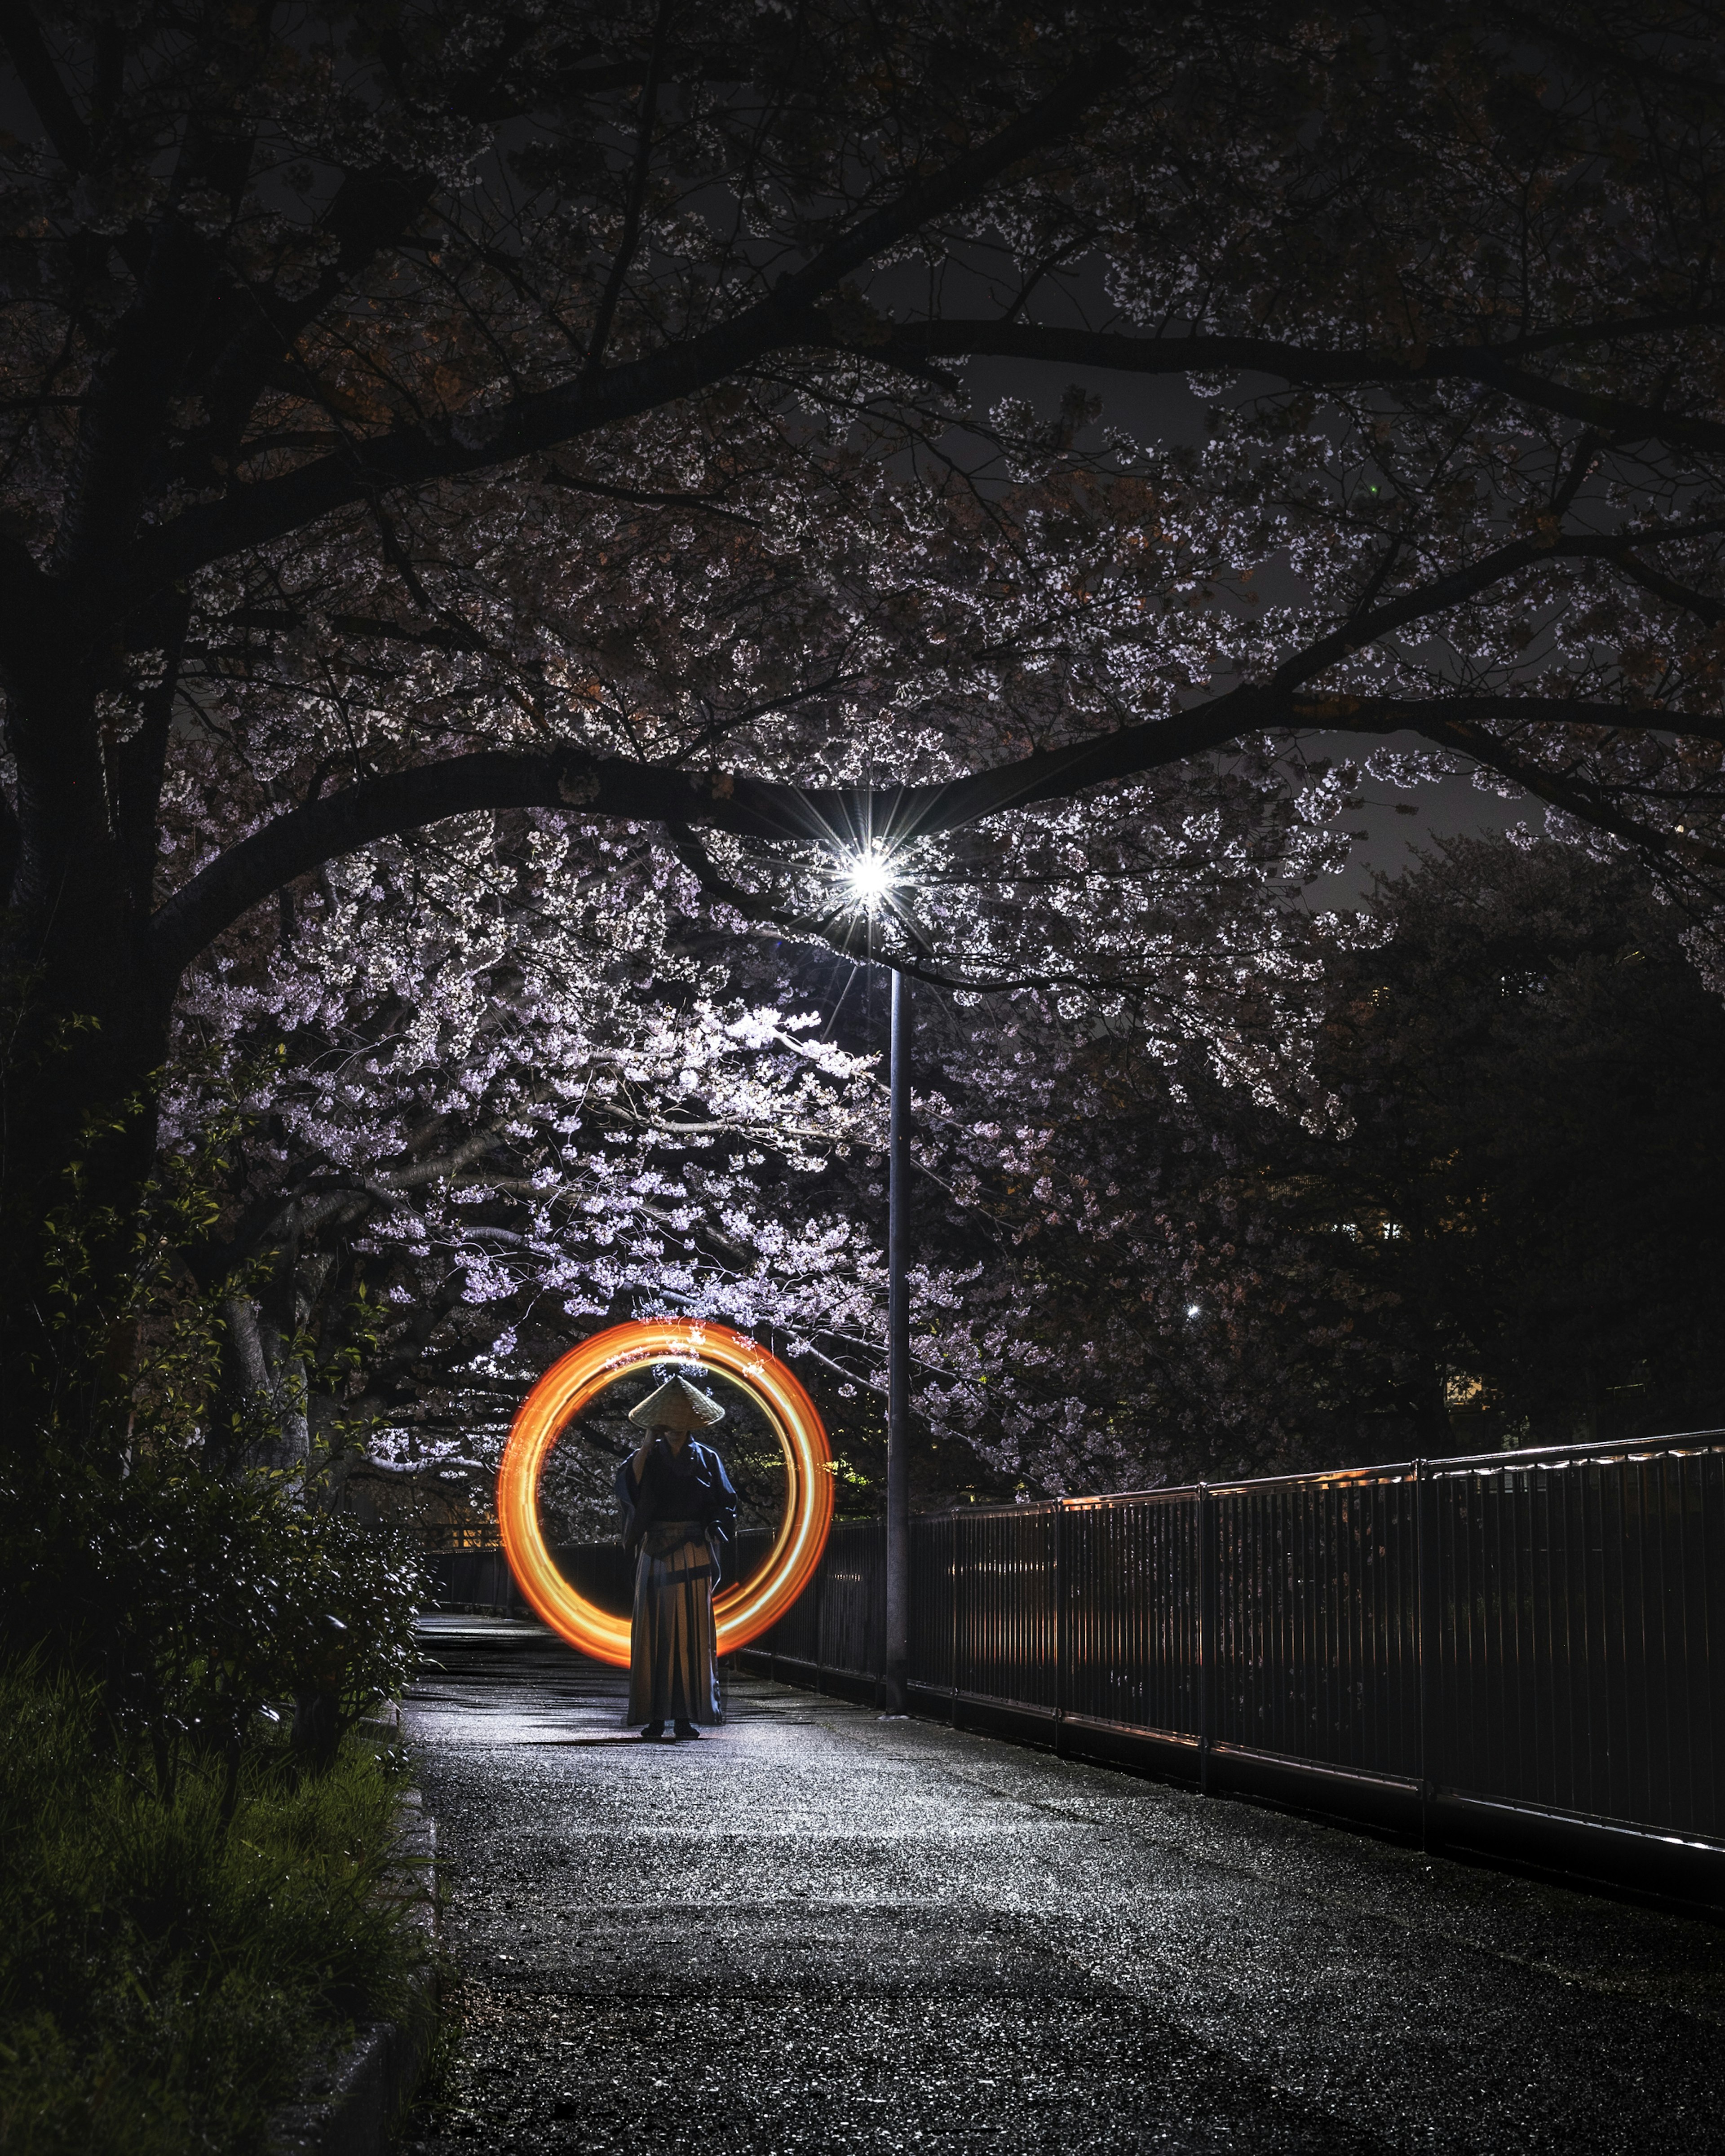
1615	419
631	234
251	515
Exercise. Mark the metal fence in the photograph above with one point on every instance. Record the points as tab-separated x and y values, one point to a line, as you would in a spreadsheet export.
477	1579
1520	1651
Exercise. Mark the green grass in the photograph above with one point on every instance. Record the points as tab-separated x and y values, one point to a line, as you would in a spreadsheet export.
166	1976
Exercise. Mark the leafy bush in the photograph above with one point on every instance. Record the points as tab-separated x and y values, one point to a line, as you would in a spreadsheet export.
139	1548
169	1962
187	1914
195	1597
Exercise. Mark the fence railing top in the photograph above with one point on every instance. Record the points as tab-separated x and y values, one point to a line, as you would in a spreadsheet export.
1557	1456
1393	1471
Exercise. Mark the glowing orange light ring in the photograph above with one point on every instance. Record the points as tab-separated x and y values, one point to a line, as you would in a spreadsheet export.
744	1610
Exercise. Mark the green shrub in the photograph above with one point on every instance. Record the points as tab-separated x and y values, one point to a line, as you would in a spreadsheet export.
137	1546
170	1960
196	1596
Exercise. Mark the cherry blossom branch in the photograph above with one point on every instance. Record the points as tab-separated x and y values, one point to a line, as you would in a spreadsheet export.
1577	796
1376	715
406	457
838	820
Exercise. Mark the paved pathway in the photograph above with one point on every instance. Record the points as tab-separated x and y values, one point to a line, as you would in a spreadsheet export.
818	1930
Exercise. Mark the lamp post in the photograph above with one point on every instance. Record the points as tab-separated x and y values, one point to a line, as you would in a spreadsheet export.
869	875
894	1695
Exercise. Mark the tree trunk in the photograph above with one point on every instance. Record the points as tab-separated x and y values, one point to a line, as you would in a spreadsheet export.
85	1021
317	1728
273	1382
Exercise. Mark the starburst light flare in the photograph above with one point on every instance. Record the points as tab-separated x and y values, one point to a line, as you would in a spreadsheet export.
741	1611
869	879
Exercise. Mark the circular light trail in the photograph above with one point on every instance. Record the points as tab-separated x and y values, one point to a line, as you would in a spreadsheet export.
742	1611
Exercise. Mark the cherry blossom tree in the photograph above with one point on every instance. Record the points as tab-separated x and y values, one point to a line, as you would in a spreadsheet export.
491	1096
438	421
1477	1200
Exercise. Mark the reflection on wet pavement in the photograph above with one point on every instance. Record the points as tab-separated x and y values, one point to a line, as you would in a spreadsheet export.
815	1929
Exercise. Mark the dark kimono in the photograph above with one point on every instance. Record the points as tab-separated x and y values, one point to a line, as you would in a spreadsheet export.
677	1514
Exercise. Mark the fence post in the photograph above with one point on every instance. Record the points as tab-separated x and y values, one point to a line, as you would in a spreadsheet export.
1057	1589
1426	1635
820	1622
1206	1629
958	1575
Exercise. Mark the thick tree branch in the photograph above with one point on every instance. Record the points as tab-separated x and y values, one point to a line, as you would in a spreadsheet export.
1578	796
1509	716
836	819
10	845
285	620
839	819
1668	588
47	93
1617	420
122	419
374	208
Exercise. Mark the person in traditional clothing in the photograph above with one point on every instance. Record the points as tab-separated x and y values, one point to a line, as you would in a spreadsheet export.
678	1508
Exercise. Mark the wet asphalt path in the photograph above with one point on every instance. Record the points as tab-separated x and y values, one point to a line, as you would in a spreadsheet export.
817	1930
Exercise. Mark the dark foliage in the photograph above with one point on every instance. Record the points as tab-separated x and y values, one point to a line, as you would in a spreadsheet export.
1494	1212
138	1549
168	1964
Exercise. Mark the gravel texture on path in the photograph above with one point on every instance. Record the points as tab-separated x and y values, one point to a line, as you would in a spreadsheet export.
815	1929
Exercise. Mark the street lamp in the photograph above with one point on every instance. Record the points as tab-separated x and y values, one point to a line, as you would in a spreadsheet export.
870	881
895	1693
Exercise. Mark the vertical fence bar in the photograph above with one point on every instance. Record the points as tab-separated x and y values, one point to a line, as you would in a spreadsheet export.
1206	1631
881	1639
1058	1615
957	1598
821	1626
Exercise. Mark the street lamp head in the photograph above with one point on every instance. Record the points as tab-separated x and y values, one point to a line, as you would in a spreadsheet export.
869	879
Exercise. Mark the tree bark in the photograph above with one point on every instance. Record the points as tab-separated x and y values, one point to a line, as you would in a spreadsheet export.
86	1012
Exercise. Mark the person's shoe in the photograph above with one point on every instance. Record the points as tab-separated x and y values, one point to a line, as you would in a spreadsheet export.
652	1731
687	1729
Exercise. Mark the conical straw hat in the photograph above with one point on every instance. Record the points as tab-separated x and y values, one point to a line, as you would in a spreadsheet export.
677	1405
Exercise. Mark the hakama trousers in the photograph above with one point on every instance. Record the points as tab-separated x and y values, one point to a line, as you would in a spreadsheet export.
673	1657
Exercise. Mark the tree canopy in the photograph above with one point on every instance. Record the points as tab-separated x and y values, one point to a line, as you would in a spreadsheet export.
524	497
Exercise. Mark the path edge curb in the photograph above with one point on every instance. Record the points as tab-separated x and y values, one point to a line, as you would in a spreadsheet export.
350	2102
